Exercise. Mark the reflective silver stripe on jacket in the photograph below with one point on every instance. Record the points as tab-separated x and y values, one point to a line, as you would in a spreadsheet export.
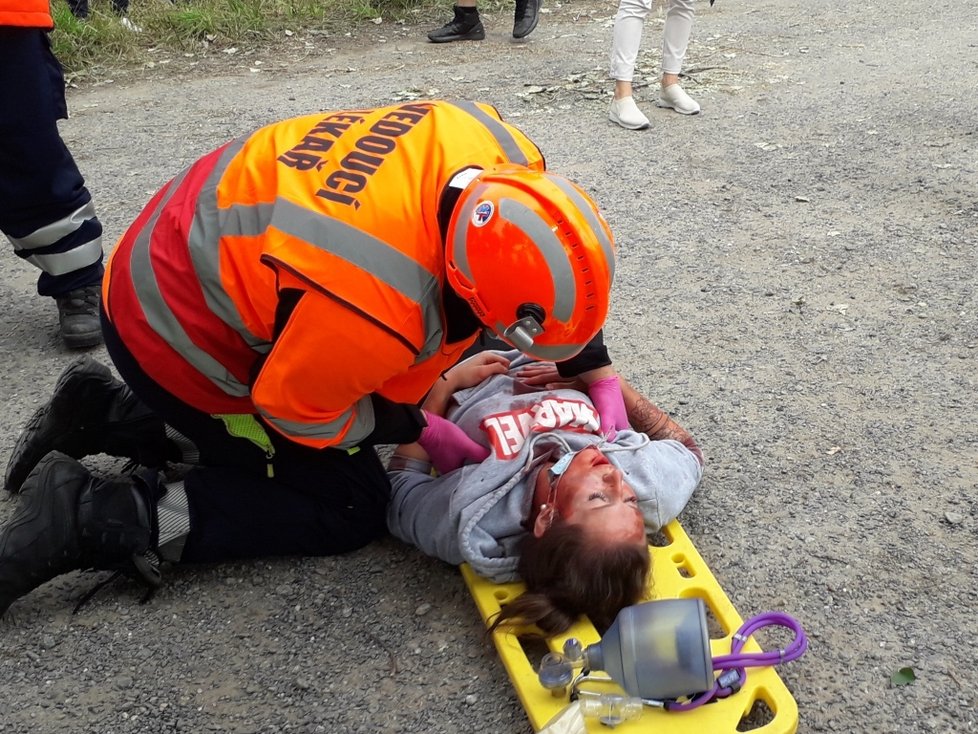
505	139
159	316
363	425
372	255
59	263
208	226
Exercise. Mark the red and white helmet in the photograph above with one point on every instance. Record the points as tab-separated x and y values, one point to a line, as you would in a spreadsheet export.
534	259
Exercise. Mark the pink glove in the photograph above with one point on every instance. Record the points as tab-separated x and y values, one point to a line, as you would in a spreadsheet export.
447	444
607	399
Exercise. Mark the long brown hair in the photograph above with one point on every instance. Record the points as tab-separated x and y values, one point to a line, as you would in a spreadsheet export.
567	574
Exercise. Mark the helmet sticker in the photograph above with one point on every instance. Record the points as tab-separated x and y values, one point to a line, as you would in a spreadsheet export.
483	213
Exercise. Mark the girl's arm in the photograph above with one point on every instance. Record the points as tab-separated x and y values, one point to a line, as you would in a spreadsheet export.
465	374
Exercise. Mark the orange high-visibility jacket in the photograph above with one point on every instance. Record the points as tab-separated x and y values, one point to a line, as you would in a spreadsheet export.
26	13
341	207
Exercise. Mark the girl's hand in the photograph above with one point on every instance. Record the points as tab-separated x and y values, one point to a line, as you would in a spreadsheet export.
475	369
465	374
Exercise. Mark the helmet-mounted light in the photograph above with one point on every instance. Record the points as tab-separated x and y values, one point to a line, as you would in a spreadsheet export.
528	326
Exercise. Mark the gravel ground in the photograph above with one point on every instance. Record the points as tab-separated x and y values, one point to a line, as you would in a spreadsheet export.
796	285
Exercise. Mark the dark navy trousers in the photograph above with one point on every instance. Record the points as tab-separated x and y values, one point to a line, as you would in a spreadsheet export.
40	185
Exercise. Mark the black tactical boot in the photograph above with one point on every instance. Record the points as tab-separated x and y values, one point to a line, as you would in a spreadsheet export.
69	520
465	26
78	315
90	412
525	18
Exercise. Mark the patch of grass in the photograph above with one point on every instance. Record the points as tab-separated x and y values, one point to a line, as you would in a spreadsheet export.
82	46
100	43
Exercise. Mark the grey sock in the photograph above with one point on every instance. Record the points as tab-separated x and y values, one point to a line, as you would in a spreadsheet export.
174	521
189	453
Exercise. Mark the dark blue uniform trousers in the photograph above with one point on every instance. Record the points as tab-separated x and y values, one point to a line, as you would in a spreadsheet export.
39	181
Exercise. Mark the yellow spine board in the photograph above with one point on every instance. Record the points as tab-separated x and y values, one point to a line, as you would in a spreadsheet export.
678	570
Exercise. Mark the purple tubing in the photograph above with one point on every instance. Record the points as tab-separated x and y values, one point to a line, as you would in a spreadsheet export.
737	661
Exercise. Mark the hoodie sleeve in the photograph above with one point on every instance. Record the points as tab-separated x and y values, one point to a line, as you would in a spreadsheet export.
663	474
422	512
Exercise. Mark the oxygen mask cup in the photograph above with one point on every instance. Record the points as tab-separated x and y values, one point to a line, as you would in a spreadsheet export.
556	673
557	669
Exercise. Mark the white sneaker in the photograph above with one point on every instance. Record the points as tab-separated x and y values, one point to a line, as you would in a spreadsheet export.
676	98
129	25
626	113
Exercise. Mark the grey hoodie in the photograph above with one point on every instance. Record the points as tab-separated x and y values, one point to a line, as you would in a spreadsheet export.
476	514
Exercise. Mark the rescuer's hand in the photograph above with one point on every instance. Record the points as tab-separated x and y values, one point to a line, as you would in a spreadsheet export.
608	401
448	446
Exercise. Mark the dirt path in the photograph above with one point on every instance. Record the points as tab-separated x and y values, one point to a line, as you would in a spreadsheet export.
797	284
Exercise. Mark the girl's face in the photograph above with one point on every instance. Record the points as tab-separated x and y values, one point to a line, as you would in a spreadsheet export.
592	494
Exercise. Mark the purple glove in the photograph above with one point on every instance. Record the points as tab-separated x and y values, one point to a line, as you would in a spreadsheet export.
607	399
448	446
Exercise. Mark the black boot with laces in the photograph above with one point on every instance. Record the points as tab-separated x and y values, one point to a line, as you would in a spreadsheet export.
465	26
69	520
90	412
78	315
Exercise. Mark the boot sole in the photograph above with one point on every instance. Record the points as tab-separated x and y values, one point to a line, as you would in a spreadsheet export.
450	39
667	106
628	126
82	341
61	406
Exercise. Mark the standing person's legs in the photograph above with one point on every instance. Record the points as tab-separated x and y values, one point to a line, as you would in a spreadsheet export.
626	40
675	41
45	209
